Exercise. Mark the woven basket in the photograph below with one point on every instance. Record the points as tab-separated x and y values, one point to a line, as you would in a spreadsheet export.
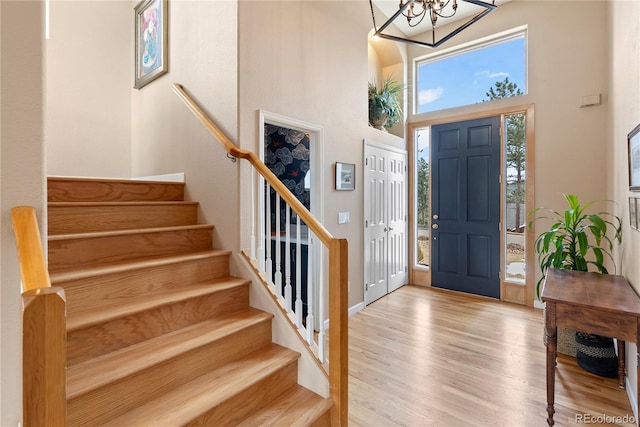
566	339
597	354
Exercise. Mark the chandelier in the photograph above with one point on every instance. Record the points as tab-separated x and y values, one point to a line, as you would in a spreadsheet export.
415	11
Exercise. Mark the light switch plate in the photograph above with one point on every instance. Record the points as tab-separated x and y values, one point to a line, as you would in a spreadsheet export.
343	218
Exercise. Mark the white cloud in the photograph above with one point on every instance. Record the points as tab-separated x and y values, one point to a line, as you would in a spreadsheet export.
492	75
429	95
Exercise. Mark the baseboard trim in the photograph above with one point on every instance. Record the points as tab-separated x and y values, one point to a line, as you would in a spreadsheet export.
353	310
633	399
169	177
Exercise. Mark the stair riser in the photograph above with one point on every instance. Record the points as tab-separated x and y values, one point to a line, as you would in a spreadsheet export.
116	288
65	190
84	219
79	252
87	343
323	421
250	399
111	400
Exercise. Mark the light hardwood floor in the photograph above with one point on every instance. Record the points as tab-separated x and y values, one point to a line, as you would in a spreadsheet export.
423	357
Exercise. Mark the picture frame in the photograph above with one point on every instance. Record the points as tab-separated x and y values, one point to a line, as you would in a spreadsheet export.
151	41
633	212
345	176
633	150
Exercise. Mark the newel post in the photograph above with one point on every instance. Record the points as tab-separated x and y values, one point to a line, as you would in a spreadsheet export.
339	331
44	357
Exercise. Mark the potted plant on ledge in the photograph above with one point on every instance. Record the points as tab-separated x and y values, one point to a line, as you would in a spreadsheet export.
384	104
577	240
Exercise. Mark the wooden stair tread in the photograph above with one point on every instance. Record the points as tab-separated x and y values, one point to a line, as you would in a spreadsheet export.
86	318
95	373
99	234
76	179
183	404
123	266
126	203
298	406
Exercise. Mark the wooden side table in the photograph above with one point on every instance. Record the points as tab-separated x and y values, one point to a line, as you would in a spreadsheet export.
590	302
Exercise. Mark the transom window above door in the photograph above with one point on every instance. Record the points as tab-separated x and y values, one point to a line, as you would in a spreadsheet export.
469	74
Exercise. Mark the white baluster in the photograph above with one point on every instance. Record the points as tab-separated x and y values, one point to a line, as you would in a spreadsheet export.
253	243
321	308
268	262
287	258
278	276
298	309
310	320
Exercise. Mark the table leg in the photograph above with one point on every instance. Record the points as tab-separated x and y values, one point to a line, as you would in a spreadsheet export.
552	340
621	361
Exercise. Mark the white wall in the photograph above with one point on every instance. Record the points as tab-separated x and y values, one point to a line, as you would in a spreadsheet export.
166	136
21	175
623	64
88	90
308	60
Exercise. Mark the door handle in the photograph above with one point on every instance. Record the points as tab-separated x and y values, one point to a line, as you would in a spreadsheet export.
435	216
434	226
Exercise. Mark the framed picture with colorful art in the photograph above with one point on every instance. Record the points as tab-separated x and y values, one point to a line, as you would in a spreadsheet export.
151	41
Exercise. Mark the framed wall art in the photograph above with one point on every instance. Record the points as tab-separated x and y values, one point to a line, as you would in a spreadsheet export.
633	143
151	41
345	176
633	212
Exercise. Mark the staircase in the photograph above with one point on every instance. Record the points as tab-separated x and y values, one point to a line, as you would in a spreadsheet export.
158	332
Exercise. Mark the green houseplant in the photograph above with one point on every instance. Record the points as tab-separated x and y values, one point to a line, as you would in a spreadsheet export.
577	240
384	104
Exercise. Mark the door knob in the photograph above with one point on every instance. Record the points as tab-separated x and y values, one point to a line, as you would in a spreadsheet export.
434	226
435	216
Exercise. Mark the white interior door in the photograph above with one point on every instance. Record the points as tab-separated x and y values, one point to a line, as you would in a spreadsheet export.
397	220
375	223
385	220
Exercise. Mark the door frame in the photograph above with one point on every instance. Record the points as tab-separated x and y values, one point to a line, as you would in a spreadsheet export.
509	292
316	140
405	154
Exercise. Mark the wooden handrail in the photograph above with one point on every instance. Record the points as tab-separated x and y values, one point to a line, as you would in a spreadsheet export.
311	222
338	268
43	328
33	267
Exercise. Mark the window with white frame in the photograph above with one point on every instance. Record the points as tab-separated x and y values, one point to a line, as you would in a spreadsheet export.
491	68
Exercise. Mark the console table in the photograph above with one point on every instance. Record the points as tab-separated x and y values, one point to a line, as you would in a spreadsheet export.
601	304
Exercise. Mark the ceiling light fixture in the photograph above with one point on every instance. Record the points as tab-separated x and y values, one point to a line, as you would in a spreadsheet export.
416	10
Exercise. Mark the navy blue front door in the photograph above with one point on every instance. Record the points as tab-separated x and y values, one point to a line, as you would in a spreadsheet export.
465	233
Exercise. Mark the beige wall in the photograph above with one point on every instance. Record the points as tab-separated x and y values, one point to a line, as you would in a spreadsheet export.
166	136
21	176
623	63
307	60
88	90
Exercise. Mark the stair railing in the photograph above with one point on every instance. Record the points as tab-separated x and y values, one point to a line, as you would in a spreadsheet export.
43	328
280	273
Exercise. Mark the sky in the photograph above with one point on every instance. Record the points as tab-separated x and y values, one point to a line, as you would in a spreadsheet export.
465	79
